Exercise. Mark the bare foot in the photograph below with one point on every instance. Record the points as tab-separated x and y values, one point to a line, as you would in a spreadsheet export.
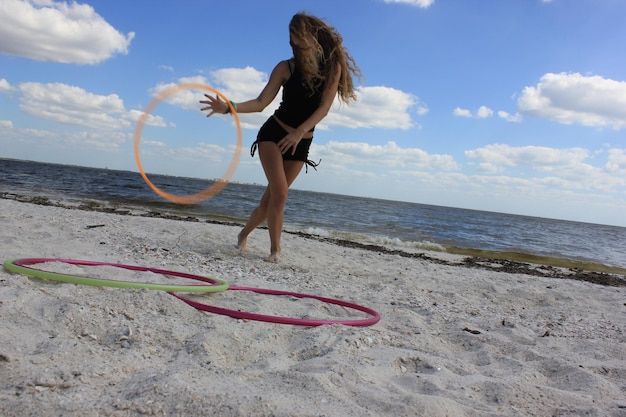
273	258
241	241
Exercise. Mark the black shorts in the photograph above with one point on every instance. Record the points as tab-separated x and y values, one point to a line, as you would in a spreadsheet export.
271	131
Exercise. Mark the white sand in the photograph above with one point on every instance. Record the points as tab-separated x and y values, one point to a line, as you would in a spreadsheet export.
539	346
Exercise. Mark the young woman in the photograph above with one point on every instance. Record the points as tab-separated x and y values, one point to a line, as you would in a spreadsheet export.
320	69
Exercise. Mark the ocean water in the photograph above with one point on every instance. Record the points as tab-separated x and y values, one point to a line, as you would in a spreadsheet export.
394	224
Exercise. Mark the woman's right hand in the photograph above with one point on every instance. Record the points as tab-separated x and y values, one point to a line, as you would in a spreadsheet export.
214	105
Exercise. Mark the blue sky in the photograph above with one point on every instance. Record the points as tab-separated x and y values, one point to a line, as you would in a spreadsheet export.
512	106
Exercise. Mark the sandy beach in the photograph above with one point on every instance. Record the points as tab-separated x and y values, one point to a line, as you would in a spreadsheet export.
453	339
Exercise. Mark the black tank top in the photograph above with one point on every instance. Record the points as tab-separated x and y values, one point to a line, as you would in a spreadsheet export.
298	102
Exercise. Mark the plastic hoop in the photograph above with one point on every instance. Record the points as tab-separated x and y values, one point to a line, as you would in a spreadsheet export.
21	266
217	186
287	320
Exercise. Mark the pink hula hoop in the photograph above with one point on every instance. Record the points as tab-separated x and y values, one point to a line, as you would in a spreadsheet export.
375	317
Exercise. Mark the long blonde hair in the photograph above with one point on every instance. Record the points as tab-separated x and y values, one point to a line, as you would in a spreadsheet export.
318	49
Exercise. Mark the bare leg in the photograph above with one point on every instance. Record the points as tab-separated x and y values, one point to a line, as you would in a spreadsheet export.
258	216
280	175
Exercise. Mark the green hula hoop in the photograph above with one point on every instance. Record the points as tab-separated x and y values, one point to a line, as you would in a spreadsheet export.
22	266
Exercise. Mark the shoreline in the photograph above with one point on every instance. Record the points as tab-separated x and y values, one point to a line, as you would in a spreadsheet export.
453	339
508	262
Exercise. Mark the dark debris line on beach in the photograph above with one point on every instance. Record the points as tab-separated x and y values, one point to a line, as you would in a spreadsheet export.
498	265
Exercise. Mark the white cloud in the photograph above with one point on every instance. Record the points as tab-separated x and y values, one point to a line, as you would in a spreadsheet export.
389	155
6	124
73	105
483	112
424	4
240	83
4	85
462	112
576	99
150	119
59	32
377	107
617	161
67	142
542	157
178	96
568	168
515	118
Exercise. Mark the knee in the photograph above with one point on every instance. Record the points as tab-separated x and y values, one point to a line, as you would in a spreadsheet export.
279	196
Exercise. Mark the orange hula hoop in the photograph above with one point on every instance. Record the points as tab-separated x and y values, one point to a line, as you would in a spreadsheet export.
219	184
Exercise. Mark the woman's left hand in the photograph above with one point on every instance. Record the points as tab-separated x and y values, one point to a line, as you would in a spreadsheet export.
290	141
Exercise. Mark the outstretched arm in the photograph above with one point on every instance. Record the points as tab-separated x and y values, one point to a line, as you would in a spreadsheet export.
279	76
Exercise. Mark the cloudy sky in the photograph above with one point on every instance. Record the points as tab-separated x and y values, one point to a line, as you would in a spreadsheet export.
510	106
